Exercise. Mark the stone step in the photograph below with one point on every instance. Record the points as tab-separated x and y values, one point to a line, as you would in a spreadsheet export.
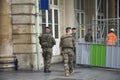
7	63
4	59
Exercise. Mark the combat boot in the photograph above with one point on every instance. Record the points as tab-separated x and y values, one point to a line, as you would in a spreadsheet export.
71	72
44	70
48	71
67	74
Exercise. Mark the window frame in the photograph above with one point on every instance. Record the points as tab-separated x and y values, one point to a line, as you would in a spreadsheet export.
47	23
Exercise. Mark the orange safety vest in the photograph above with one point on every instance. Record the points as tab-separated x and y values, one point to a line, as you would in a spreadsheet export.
111	39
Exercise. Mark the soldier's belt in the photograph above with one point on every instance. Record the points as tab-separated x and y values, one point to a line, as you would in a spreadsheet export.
68	48
46	47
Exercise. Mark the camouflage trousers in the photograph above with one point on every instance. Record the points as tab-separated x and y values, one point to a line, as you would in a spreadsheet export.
47	56
68	56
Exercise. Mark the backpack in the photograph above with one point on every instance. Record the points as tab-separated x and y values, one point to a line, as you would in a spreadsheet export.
46	41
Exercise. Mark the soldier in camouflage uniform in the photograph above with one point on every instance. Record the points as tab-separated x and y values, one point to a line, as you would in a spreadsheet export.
74	33
88	36
67	46
47	41
74	36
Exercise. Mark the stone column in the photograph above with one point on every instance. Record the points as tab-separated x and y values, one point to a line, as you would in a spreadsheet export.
6	54
69	13
111	8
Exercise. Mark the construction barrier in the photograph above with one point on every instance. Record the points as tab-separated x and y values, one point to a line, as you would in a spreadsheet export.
98	55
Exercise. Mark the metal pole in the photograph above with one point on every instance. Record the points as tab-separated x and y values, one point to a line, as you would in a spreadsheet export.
107	14
108	19
37	32
118	22
93	28
118	31
96	17
99	6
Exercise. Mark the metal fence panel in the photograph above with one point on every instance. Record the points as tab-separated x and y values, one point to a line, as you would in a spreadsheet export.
113	57
98	55
83	54
78	53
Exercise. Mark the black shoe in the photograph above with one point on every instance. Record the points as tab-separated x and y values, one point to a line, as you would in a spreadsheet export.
44	70
47	71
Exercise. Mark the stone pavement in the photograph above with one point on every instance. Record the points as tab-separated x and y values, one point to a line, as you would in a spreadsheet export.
81	73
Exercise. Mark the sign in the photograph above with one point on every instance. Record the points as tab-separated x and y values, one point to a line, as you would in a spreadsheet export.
82	28
44	4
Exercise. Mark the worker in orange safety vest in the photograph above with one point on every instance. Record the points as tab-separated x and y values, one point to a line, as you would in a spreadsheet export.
111	37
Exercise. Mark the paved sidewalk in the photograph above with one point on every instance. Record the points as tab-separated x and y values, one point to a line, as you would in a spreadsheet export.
58	74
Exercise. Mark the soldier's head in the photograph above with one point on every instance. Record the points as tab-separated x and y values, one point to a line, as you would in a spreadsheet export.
89	31
73	30
47	29
69	30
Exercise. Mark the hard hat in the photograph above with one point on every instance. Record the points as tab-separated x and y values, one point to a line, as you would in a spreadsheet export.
112	29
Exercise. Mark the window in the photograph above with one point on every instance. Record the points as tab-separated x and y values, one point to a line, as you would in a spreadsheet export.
50	1
55	2
56	23
50	18
43	17
82	4
80	17
43	21
79	4
82	22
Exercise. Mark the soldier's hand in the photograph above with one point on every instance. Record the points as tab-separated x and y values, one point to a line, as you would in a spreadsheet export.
43	55
61	53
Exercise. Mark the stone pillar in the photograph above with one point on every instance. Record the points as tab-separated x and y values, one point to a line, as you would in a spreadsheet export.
69	13
111	8
6	54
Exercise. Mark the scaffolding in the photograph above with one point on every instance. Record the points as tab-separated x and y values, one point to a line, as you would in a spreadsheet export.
101	29
101	25
97	53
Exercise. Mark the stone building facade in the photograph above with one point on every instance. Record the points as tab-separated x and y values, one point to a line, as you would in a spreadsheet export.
18	27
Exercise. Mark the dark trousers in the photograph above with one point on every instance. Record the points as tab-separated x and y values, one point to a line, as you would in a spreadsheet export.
47	56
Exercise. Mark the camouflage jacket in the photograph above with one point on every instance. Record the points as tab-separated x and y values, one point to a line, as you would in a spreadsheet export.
47	41
88	38
67	41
